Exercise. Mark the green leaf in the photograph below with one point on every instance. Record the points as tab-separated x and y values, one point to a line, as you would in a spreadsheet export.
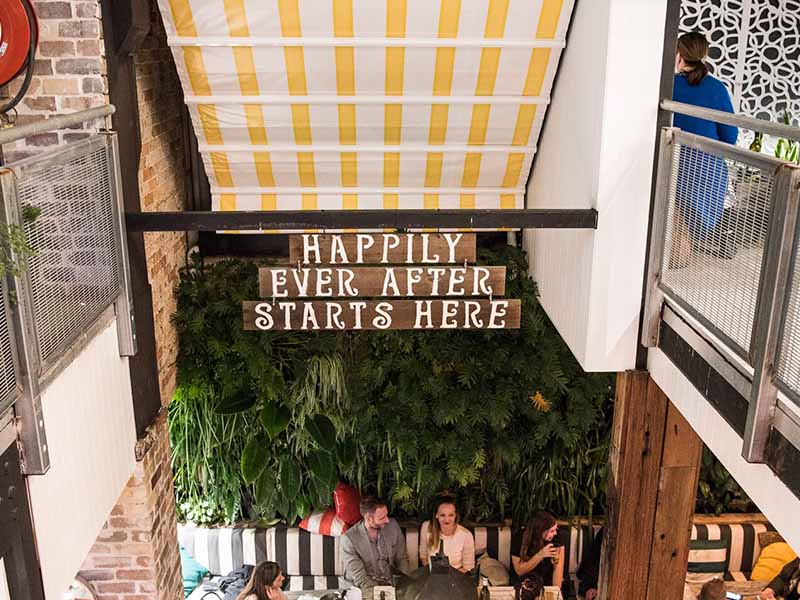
291	477
266	488
322	432
275	418
322	467
254	459
346	454
321	492
236	404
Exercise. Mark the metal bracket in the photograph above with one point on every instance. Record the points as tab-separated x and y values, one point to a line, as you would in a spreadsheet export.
123	306
654	298
770	310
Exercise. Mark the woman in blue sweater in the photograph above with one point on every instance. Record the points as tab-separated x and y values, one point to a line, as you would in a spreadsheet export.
702	178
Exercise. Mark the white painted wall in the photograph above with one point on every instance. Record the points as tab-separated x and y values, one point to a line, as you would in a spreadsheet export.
596	151
768	492
88	413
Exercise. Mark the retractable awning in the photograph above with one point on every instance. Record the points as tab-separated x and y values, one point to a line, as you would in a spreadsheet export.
367	104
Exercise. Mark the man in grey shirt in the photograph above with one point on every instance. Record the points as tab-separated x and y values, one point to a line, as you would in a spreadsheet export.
374	548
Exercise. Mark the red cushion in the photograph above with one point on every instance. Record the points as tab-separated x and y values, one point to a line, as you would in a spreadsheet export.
346	499
324	522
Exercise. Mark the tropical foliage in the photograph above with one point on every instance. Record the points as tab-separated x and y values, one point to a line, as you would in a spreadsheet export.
264	424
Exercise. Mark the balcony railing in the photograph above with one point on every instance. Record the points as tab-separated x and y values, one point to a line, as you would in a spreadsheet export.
724	246
76	269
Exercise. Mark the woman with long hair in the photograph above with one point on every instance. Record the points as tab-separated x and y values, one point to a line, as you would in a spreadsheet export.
443	528
265	583
702	178
537	560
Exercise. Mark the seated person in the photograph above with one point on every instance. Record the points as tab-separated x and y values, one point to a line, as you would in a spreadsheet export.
785	585
459	545
712	590
373	548
265	583
589	569
536	559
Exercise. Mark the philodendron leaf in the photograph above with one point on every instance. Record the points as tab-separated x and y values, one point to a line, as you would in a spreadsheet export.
346	454
322	432
274	418
254	458
265	488
291	477
322	493
322	467
303	506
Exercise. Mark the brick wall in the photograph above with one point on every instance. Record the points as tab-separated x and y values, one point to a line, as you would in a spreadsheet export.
162	186
69	75
136	555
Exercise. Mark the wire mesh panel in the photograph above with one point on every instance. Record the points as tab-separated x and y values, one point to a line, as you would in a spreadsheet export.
8	378
789	352
716	226
74	273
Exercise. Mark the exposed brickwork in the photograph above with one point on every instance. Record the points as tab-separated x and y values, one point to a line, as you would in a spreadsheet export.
69	74
136	555
162	187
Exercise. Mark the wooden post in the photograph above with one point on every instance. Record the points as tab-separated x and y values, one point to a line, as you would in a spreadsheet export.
654	464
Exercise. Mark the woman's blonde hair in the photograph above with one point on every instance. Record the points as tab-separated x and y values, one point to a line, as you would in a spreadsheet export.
693	48
435	528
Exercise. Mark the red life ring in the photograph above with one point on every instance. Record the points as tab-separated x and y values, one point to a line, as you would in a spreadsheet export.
15	38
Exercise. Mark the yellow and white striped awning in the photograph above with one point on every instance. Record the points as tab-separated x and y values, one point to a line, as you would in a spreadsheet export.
348	104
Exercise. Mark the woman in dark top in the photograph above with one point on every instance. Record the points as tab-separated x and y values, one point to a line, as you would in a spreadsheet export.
785	585
537	561
702	178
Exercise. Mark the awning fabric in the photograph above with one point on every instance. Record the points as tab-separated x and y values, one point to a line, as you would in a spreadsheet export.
348	104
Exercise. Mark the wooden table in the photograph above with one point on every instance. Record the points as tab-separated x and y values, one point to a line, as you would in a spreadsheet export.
748	589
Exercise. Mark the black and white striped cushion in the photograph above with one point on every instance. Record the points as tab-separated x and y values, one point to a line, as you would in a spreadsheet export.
225	549
307	555
300	552
304	583
742	545
494	541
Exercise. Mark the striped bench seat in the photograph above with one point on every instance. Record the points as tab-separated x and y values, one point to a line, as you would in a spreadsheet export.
741	544
312	561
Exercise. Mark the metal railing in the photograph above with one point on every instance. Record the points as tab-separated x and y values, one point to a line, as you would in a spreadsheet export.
66	204
724	246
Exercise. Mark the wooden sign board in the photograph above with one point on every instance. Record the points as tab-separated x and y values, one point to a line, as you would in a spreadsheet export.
389	282
340	315
382	248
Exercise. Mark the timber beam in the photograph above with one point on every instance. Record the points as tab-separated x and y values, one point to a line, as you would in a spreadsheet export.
362	219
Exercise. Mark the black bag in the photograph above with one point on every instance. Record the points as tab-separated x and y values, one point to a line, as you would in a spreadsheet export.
234	582
530	587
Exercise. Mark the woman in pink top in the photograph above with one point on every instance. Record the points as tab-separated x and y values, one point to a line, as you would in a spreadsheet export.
459	545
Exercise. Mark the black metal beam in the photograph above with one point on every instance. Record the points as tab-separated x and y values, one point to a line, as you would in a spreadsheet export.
362	219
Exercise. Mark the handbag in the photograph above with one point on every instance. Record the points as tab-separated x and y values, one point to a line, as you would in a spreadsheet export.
529	588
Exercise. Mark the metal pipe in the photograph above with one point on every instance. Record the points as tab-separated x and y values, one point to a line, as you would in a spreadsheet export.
12	134
760	125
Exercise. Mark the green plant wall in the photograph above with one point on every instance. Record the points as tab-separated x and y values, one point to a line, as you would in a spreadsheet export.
264	424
